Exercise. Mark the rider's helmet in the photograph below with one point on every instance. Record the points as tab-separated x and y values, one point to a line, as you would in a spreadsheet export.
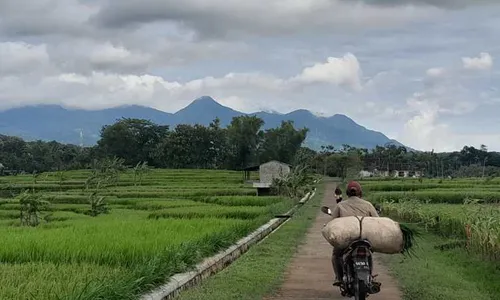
354	189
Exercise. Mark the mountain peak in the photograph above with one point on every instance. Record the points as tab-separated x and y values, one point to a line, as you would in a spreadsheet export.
203	110
206	100
203	103
301	112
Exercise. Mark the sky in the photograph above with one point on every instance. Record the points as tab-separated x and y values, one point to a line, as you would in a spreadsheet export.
420	71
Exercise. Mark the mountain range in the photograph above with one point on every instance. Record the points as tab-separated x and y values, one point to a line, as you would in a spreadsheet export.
52	122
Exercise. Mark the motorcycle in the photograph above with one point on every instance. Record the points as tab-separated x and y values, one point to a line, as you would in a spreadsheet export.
357	267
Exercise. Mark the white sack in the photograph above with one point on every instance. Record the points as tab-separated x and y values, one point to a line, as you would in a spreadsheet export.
384	234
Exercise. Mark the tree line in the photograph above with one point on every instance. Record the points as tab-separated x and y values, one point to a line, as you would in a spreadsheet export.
242	143
347	161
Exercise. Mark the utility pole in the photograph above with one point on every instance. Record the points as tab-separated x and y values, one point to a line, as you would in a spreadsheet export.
81	138
484	165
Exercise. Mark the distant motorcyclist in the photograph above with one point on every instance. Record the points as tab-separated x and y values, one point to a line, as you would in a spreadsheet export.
352	206
338	195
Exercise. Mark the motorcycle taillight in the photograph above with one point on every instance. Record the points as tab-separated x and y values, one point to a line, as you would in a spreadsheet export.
361	252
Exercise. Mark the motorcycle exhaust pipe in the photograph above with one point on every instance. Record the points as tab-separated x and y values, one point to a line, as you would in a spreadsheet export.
374	288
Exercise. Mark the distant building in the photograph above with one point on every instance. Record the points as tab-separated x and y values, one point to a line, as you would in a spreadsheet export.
381	173
397	173
364	173
407	173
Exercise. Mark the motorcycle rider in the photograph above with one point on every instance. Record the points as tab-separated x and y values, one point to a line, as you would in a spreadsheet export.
352	206
338	195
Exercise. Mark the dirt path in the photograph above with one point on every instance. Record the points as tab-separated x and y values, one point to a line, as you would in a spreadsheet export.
310	274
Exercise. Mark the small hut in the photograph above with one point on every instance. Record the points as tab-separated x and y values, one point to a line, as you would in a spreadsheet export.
247	171
269	171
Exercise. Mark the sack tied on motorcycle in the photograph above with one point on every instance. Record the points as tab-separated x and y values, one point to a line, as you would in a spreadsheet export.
384	234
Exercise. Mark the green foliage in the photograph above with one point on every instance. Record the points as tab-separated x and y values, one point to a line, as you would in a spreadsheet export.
238	212
97	205
244	137
164	226
18	155
294	184
304	156
438	196
133	140
103	174
193	146
140	170
241	144
35	177
410	232
61	176
346	162
31	206
465	209
282	143
451	220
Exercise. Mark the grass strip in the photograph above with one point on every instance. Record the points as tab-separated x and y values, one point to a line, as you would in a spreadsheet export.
260	271
437	273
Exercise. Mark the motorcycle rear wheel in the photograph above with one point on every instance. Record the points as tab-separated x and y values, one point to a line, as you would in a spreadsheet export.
360	290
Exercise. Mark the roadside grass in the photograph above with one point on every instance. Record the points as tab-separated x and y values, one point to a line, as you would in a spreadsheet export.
260	271
452	212
435	274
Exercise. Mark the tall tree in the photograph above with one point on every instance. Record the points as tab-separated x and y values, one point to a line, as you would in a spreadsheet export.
244	139
134	140
282	143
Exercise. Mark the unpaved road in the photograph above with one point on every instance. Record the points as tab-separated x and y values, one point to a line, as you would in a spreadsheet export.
310	274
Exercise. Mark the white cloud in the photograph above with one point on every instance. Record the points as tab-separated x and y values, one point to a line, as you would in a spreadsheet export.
483	62
436	72
108	54
423	130
20	57
99	89
426	127
427	131
339	71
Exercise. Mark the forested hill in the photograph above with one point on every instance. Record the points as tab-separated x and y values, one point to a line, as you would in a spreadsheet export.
50	122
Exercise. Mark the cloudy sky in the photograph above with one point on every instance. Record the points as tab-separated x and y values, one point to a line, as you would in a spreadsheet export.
421	71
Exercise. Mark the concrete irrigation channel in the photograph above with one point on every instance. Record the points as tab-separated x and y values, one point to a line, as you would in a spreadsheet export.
218	262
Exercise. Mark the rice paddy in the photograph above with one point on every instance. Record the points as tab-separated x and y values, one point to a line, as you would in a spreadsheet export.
466	210
165	225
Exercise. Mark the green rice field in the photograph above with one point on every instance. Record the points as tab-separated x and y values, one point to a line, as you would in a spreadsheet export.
467	210
163	226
